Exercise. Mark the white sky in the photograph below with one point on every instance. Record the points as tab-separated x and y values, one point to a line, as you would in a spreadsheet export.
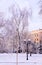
35	22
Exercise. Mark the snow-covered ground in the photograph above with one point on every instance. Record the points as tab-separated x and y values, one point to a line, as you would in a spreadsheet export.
11	59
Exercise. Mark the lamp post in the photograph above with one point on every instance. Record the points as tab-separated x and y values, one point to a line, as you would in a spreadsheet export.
27	47
27	50
28	42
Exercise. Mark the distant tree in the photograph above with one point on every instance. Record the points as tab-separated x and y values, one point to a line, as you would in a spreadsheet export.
1	19
2	44
9	37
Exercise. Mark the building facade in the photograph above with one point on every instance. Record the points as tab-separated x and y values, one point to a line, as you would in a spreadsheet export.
36	36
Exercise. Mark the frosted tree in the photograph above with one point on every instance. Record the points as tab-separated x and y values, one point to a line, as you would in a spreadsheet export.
40	6
2	40
20	19
40	9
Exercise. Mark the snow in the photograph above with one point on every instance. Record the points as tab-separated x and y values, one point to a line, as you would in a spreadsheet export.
11	59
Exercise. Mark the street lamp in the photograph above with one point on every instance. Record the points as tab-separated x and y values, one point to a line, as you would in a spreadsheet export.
27	47
28	42
27	50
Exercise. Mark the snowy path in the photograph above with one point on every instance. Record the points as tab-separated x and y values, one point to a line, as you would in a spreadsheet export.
10	59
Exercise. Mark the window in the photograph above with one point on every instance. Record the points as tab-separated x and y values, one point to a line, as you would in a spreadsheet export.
37	39
37	35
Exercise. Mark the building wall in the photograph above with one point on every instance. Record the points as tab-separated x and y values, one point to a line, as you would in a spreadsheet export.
36	36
